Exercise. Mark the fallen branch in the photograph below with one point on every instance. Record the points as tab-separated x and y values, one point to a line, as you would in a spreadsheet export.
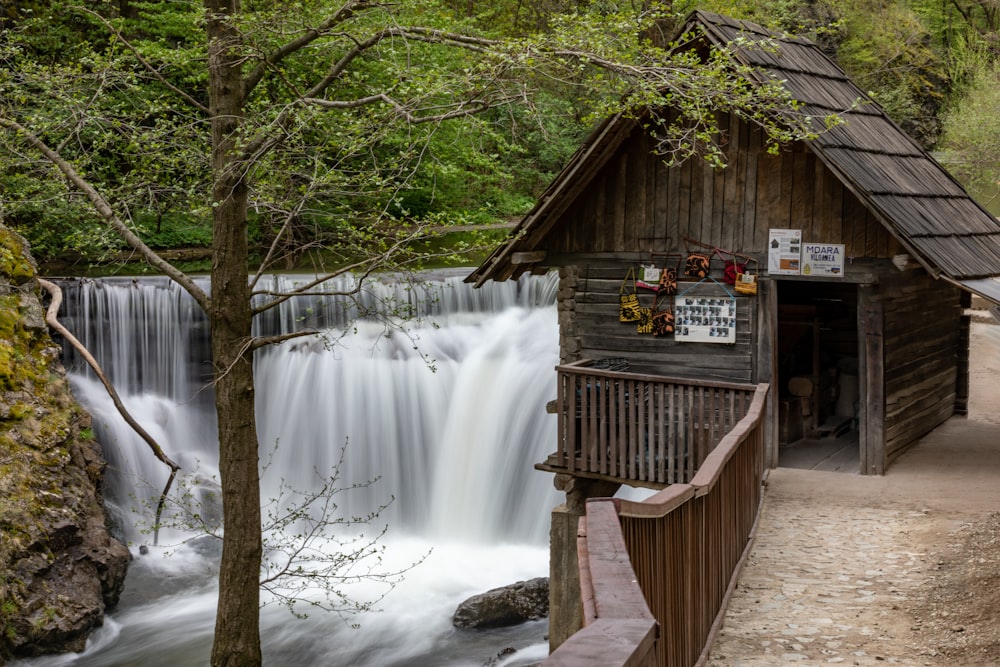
52	319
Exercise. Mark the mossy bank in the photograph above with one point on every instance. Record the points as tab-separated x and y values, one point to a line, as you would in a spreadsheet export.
60	569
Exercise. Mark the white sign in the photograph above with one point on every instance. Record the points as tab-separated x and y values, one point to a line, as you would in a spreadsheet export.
784	251
699	319
822	259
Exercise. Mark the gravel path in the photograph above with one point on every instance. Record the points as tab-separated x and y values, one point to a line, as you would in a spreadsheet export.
902	569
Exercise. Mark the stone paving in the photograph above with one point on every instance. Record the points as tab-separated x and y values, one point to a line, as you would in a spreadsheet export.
824	585
840	560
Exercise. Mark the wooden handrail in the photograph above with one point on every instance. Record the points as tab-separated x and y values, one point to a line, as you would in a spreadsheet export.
659	504
674	556
609	643
615	590
619	628
585	365
711	468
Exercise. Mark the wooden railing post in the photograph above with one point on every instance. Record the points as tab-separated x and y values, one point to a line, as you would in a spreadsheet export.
642	428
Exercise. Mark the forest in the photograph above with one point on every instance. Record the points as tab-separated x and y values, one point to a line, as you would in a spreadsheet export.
430	133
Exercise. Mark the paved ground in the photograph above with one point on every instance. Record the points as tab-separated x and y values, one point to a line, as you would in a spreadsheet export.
901	569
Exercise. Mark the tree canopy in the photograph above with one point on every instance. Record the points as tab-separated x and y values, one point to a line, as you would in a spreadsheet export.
361	117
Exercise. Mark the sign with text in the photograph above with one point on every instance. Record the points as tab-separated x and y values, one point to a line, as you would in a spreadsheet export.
823	259
784	251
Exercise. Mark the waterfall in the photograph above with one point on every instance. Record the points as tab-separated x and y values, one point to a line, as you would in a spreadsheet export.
433	391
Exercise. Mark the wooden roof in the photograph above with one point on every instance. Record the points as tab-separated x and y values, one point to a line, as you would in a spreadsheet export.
916	199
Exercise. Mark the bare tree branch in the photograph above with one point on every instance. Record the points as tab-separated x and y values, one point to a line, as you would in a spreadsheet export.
264	341
283	51
305	288
370	265
464	108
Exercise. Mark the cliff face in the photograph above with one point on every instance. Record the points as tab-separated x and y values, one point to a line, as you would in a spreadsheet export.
60	569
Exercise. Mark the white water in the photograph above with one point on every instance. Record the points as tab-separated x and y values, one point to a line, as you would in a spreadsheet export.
447	411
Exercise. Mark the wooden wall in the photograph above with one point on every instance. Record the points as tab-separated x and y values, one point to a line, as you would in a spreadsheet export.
922	349
589	327
637	203
635	206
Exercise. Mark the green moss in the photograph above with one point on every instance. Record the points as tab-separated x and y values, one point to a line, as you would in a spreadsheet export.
8	610
20	411
38	427
16	365
13	259
23	361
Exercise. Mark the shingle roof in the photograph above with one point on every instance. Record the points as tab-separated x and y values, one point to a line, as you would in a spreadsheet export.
905	188
900	182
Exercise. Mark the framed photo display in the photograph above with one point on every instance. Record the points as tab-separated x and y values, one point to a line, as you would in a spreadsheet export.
705	319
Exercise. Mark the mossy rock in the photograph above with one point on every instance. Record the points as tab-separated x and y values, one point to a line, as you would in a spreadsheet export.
15	262
60	570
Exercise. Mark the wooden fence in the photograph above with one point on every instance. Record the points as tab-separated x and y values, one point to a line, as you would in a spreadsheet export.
646	429
685	546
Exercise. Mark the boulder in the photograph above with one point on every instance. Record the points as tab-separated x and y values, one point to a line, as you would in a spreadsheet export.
505	606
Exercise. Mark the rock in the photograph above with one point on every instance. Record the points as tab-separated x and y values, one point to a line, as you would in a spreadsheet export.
60	568
505	606
503	653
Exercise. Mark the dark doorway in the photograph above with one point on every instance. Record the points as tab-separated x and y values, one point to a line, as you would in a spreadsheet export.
818	376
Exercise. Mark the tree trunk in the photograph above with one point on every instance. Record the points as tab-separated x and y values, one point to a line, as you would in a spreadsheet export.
237	624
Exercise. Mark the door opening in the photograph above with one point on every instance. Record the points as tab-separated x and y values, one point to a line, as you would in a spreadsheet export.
818	384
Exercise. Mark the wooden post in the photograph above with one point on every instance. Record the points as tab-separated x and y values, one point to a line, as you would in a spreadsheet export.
765	370
871	326
962	360
565	605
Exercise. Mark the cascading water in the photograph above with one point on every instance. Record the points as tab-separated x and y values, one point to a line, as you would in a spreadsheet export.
434	390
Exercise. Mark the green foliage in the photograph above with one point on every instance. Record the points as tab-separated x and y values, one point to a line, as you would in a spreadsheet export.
885	46
56	225
972	130
339	170
174	231
333	172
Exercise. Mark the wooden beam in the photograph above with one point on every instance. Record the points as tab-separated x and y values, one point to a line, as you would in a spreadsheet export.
872	371
527	257
766	369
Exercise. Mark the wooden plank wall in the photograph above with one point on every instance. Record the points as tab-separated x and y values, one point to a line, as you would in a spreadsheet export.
922	343
637	206
590	329
636	203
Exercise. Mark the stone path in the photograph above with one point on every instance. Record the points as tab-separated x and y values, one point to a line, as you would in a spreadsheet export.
842	564
824	585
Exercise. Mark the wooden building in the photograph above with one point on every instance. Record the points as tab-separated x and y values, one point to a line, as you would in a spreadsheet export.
862	331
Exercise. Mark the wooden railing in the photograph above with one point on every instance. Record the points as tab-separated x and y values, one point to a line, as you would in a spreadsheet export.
619	628
685	546
646	429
